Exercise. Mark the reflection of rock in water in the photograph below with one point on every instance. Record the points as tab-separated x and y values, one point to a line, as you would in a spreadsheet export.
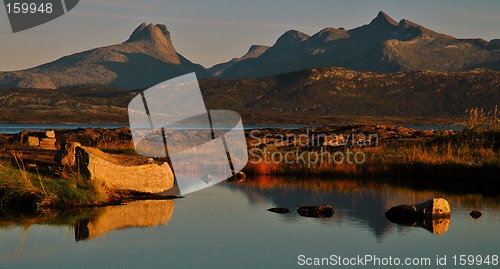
436	226
439	226
148	213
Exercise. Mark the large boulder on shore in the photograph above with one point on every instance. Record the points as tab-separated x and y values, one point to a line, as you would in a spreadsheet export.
118	173
434	208
433	215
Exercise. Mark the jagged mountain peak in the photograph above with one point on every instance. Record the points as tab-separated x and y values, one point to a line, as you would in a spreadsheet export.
383	19
150	32
154	40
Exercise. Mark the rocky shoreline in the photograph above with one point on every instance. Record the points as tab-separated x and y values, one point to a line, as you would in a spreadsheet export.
387	155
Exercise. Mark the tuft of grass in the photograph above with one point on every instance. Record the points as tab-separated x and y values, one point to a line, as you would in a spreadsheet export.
110	145
29	190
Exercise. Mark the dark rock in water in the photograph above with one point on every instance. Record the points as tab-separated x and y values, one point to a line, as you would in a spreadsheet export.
432	215
316	211
475	214
238	177
279	210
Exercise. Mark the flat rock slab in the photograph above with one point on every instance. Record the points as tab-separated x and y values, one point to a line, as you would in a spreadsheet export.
120	175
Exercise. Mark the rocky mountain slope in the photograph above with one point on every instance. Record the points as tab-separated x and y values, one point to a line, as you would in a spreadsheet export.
335	94
308	97
145	59
254	52
382	46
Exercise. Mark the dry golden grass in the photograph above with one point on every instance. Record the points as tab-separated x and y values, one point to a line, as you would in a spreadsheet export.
29	188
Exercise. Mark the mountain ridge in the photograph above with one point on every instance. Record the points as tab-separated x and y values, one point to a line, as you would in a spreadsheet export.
149	57
384	45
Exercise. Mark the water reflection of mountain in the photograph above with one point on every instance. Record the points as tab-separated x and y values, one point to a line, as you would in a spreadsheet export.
361	202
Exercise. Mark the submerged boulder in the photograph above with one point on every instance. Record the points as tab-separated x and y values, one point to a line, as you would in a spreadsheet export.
316	211
475	214
279	210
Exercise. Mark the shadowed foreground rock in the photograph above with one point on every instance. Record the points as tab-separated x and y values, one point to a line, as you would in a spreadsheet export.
118	173
432	215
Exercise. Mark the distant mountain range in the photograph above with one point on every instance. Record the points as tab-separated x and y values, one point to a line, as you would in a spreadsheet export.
382	46
149	57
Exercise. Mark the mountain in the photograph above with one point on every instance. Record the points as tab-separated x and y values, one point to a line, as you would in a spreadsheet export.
383	46
254	52
145	59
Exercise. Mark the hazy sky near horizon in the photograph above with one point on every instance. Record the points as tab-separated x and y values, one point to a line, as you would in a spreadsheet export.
214	31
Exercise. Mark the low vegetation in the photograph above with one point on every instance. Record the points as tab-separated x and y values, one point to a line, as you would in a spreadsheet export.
24	189
464	157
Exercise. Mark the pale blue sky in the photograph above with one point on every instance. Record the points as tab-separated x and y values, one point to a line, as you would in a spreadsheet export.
214	31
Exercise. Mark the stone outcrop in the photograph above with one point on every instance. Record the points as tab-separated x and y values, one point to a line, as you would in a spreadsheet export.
66	155
119	173
42	139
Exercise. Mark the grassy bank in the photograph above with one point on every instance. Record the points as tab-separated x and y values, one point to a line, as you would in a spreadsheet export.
465	159
25	189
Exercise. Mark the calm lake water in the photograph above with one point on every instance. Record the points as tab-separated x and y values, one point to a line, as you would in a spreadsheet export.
228	226
16	128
